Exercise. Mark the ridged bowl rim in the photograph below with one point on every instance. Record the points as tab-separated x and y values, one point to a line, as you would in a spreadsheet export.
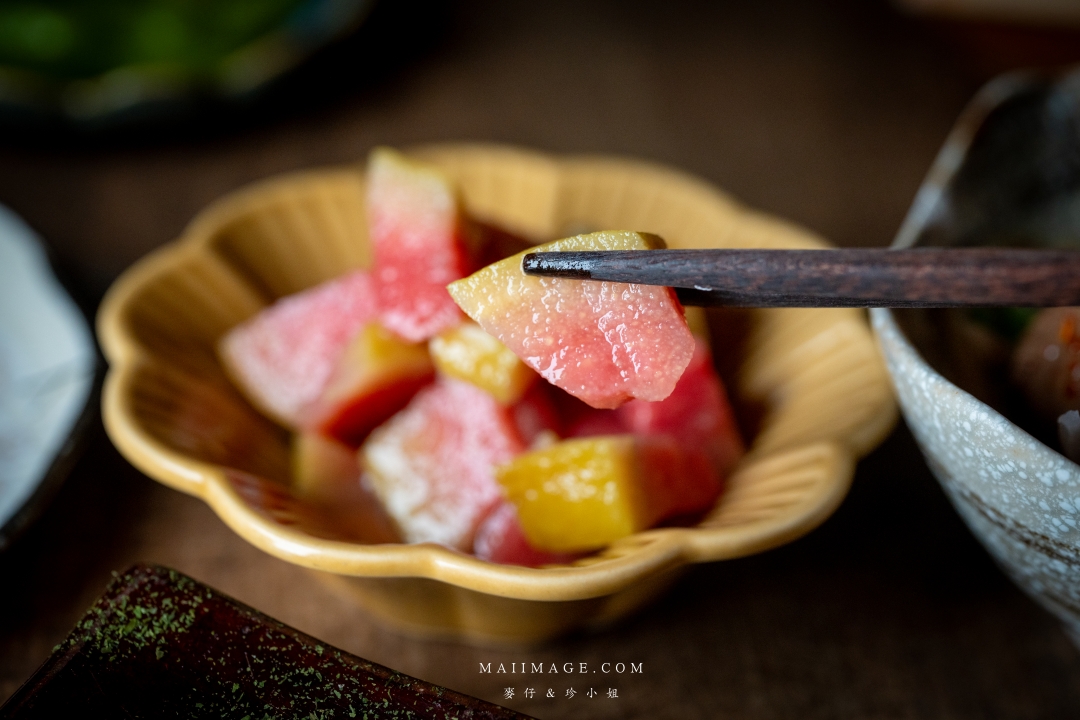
631	559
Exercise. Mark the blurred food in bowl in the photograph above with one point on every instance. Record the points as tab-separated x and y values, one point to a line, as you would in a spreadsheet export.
1045	362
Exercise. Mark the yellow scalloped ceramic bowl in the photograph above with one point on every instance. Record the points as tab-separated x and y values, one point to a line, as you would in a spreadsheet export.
815	378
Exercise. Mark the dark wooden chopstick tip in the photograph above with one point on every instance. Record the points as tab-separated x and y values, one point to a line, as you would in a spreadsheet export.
551	264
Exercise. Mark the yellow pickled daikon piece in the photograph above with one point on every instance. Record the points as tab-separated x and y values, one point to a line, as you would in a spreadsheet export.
468	353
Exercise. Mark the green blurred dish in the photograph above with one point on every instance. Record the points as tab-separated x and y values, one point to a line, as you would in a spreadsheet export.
87	60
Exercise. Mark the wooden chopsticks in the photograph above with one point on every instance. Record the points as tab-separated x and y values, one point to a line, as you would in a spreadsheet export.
848	277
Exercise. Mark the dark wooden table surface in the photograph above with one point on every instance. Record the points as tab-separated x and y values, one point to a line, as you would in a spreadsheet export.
826	113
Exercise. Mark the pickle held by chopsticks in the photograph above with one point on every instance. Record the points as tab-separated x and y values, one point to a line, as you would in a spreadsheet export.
850	277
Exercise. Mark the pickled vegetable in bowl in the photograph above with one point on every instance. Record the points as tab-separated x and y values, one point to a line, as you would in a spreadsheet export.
1034	355
558	417
808	386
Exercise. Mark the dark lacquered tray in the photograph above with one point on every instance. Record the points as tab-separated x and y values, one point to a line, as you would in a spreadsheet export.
161	645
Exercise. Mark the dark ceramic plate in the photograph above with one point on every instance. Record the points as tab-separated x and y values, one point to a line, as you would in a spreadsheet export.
161	645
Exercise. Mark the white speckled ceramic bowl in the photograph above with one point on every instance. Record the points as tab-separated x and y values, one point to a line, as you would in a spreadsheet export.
1007	175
